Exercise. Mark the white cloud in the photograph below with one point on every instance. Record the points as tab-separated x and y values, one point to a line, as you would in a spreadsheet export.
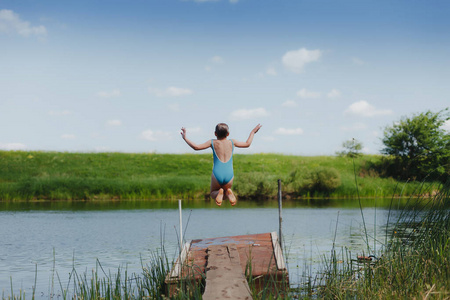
154	136
289	103
334	93
170	92
271	71
297	59
193	130
59	113
67	136
10	23
102	149
305	94
174	107
446	125
354	127
217	59
12	146
244	114
358	61
289	131
114	123
109	94
268	138
364	109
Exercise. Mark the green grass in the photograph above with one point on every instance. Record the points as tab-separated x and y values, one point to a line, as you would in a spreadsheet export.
96	176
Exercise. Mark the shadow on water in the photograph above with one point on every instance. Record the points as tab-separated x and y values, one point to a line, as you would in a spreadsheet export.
105	205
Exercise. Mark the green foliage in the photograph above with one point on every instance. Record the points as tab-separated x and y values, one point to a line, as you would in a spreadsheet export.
256	185
352	148
320	180
419	145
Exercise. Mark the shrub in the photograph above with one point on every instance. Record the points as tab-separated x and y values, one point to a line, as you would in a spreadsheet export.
322	180
256	185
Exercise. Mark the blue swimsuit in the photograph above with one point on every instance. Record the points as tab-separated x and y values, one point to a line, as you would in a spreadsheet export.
223	171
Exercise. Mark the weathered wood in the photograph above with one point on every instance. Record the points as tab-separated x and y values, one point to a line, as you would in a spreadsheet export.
176	271
277	252
224	276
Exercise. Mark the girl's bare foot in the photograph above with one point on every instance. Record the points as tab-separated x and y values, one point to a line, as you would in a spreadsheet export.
219	197
231	197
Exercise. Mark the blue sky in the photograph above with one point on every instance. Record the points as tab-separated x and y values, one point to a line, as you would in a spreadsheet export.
97	76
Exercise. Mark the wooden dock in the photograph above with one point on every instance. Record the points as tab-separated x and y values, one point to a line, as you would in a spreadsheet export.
221	264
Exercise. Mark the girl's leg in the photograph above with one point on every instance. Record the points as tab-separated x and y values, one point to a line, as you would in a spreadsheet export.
228	193
216	191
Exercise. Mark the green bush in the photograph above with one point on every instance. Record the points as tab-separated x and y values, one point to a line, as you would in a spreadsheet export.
321	180
256	185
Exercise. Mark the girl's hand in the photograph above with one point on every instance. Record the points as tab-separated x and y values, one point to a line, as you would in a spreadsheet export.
183	133
255	130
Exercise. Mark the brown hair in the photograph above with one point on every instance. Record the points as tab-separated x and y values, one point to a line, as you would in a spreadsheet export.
221	130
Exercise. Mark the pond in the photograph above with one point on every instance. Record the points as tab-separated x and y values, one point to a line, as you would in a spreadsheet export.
44	241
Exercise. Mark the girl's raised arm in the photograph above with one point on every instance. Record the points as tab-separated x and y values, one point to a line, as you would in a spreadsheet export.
249	140
193	145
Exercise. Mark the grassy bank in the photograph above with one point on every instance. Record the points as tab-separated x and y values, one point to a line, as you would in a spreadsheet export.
91	176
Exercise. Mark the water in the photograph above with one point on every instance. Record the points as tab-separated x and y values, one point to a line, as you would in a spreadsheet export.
57	237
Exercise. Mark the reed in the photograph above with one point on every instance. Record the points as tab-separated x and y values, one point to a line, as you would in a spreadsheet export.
415	261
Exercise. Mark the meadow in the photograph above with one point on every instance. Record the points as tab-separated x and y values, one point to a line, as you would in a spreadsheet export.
36	175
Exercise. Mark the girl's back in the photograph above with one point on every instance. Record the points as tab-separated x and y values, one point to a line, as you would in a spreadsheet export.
223	149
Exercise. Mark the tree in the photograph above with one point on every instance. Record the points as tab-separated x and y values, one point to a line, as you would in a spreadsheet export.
419	145
352	148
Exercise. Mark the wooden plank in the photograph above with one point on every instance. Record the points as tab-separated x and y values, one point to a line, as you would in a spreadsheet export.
277	252
176	271
224	276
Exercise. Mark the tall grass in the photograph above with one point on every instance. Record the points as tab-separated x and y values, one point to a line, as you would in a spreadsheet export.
415	262
105	176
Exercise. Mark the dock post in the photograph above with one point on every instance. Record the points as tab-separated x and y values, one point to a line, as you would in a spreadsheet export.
181	226
280	218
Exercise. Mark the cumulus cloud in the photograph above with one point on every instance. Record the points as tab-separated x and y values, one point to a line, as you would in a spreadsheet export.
12	146
174	107
289	103
217	59
334	93
245	114
60	113
289	131
10	23
154	136
354	127
296	60
364	109
193	130
113	122
170	92
68	136
305	94
268	138
358	61
109	94
271	71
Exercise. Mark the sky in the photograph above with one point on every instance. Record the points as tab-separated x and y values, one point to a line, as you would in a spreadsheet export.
125	76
